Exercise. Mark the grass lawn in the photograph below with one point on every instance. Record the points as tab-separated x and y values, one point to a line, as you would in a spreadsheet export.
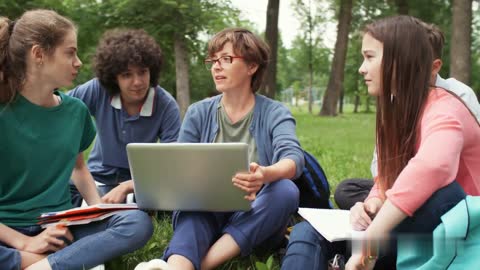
343	145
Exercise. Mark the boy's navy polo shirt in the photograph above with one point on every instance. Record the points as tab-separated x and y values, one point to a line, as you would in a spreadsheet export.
158	120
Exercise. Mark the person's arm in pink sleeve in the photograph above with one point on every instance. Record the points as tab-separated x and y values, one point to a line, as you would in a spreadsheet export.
375	191
434	166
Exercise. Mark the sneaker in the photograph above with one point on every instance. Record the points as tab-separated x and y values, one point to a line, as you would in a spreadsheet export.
155	264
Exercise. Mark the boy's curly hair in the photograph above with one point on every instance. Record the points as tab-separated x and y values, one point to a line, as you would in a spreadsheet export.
119	48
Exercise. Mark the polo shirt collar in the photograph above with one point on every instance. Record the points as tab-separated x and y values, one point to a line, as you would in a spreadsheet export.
147	107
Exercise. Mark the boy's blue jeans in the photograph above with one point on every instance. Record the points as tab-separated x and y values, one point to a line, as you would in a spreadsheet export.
94	243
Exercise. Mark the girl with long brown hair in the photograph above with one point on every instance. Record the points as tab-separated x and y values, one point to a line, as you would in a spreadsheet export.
428	142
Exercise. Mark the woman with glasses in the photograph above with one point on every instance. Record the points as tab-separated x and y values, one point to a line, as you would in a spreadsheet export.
237	60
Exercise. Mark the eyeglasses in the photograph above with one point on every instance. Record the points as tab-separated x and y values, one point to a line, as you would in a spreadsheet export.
223	61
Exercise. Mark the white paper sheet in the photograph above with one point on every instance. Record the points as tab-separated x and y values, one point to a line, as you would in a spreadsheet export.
333	224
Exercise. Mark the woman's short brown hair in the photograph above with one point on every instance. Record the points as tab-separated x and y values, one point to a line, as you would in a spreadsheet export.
246	44
119	48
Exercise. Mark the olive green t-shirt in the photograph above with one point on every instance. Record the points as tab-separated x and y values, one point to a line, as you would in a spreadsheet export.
38	149
236	132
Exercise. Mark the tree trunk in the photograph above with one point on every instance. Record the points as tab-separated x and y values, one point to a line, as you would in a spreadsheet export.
460	51
335	82
356	77
271	35
367	104
340	101
356	103
181	70
310	58
297	98
310	87
402	6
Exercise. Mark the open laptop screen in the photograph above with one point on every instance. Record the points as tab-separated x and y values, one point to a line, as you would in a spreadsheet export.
188	176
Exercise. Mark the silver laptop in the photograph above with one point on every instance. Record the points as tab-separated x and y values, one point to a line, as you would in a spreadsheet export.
188	176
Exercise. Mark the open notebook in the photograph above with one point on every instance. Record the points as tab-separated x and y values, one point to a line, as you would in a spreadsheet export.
333	224
82	215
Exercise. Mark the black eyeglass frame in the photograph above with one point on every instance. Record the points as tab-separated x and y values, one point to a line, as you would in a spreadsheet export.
224	59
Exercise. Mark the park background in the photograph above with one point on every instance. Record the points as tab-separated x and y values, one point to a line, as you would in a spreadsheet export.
314	69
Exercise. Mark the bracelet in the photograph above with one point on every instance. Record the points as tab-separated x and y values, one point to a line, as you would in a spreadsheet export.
367	260
370	251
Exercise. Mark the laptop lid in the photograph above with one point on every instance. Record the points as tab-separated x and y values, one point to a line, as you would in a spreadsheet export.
188	176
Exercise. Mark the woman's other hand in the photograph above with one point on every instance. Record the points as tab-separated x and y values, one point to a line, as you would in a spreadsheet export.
250	182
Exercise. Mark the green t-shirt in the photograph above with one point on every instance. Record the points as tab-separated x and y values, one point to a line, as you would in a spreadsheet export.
38	149
236	132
